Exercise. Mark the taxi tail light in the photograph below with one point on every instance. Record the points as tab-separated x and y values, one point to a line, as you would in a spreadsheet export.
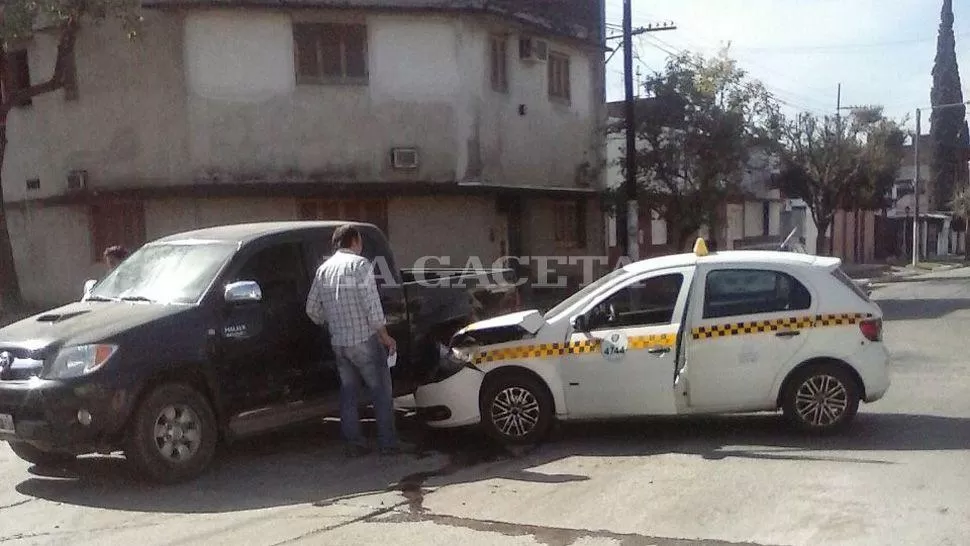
871	329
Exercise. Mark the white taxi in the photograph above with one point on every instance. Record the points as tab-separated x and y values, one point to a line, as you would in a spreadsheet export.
698	333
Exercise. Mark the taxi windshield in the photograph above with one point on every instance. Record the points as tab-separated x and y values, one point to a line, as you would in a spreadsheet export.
165	273
583	293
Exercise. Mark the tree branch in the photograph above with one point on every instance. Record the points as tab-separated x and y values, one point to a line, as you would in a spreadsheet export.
65	52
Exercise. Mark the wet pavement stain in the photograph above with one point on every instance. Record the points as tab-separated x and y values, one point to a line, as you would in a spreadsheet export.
551	536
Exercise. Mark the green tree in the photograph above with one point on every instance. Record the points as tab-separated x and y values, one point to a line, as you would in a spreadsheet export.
696	133
833	164
949	135
19	20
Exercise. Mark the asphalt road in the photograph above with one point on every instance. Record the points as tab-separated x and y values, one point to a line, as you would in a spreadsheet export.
899	476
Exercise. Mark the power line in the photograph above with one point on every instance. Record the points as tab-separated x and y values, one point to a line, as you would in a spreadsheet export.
778	90
748	87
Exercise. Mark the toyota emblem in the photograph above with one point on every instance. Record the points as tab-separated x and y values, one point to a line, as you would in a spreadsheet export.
5	360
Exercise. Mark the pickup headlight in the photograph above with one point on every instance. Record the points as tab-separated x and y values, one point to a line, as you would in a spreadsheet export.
80	360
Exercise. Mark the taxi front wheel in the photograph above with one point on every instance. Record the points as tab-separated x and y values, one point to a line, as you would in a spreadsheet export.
516	409
821	398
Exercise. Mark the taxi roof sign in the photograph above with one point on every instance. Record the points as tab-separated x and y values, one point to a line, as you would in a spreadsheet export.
700	247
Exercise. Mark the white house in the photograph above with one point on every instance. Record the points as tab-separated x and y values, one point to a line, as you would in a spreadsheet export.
462	128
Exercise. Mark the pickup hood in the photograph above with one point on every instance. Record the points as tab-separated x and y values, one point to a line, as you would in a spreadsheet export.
500	329
81	322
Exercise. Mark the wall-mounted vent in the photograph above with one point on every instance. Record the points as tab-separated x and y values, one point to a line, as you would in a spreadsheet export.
77	180
533	50
404	158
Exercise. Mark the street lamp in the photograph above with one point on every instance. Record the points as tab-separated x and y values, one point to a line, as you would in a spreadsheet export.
916	236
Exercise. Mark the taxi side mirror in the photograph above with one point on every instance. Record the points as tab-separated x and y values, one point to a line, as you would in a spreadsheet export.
580	323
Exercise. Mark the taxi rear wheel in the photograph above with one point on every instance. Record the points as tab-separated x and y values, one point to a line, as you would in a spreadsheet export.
516	409
821	398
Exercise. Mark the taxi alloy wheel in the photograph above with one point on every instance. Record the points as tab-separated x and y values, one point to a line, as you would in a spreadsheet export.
821	398
516	409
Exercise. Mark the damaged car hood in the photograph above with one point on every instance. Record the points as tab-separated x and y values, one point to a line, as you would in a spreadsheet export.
501	329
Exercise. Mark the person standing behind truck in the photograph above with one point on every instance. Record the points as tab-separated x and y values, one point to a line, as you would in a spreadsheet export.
344	297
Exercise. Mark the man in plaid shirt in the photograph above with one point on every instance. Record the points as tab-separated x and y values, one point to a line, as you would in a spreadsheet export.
344	297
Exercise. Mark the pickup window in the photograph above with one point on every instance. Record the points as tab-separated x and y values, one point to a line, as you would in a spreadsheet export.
737	292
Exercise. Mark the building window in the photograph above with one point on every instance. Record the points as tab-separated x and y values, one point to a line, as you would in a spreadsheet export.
330	53
116	223
499	64
559	76
569	222
19	79
371	211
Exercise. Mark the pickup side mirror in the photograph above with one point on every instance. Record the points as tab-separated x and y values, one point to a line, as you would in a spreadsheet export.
580	323
243	292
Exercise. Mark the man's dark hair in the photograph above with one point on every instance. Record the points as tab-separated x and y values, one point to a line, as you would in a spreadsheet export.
344	236
116	252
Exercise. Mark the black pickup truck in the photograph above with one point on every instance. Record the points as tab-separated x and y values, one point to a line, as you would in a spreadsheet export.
202	337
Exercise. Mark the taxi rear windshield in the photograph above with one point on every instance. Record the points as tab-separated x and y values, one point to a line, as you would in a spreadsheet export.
846	280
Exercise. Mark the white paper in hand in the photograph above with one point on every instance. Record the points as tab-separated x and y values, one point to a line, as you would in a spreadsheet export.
392	359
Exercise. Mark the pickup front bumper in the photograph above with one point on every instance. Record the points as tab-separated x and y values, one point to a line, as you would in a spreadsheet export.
55	415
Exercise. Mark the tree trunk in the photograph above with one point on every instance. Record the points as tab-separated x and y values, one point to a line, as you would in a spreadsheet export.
821	248
10	297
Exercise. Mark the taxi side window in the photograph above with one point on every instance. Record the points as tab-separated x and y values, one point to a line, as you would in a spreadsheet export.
648	302
736	292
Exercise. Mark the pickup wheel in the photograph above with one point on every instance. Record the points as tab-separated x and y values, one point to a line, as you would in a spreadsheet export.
516	409
821	398
173	434
40	457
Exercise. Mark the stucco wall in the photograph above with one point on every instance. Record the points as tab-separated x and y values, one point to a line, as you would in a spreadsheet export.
458	227
212	96
128	125
545	145
52	263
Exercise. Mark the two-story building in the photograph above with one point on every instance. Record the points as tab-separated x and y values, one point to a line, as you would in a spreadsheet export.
463	128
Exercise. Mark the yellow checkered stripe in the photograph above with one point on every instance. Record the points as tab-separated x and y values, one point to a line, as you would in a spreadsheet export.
546	350
787	323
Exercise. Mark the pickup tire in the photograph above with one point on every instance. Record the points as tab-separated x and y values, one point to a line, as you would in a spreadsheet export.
516	408
821	398
172	435
40	457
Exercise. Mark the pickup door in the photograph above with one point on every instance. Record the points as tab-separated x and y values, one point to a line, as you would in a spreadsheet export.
625	364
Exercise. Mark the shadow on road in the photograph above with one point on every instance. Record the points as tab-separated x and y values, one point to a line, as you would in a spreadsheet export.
921	309
306	467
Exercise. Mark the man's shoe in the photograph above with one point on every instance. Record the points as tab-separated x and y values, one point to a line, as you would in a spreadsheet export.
356	450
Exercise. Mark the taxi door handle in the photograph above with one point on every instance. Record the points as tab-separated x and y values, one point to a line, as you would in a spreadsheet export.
789	333
659	350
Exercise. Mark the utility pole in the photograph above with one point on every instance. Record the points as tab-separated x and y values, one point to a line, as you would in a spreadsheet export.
916	237
631	241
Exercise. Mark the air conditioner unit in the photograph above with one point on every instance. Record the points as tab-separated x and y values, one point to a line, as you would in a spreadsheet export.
404	158
533	50
77	180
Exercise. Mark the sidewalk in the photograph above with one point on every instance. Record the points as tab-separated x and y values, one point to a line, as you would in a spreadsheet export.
890	274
